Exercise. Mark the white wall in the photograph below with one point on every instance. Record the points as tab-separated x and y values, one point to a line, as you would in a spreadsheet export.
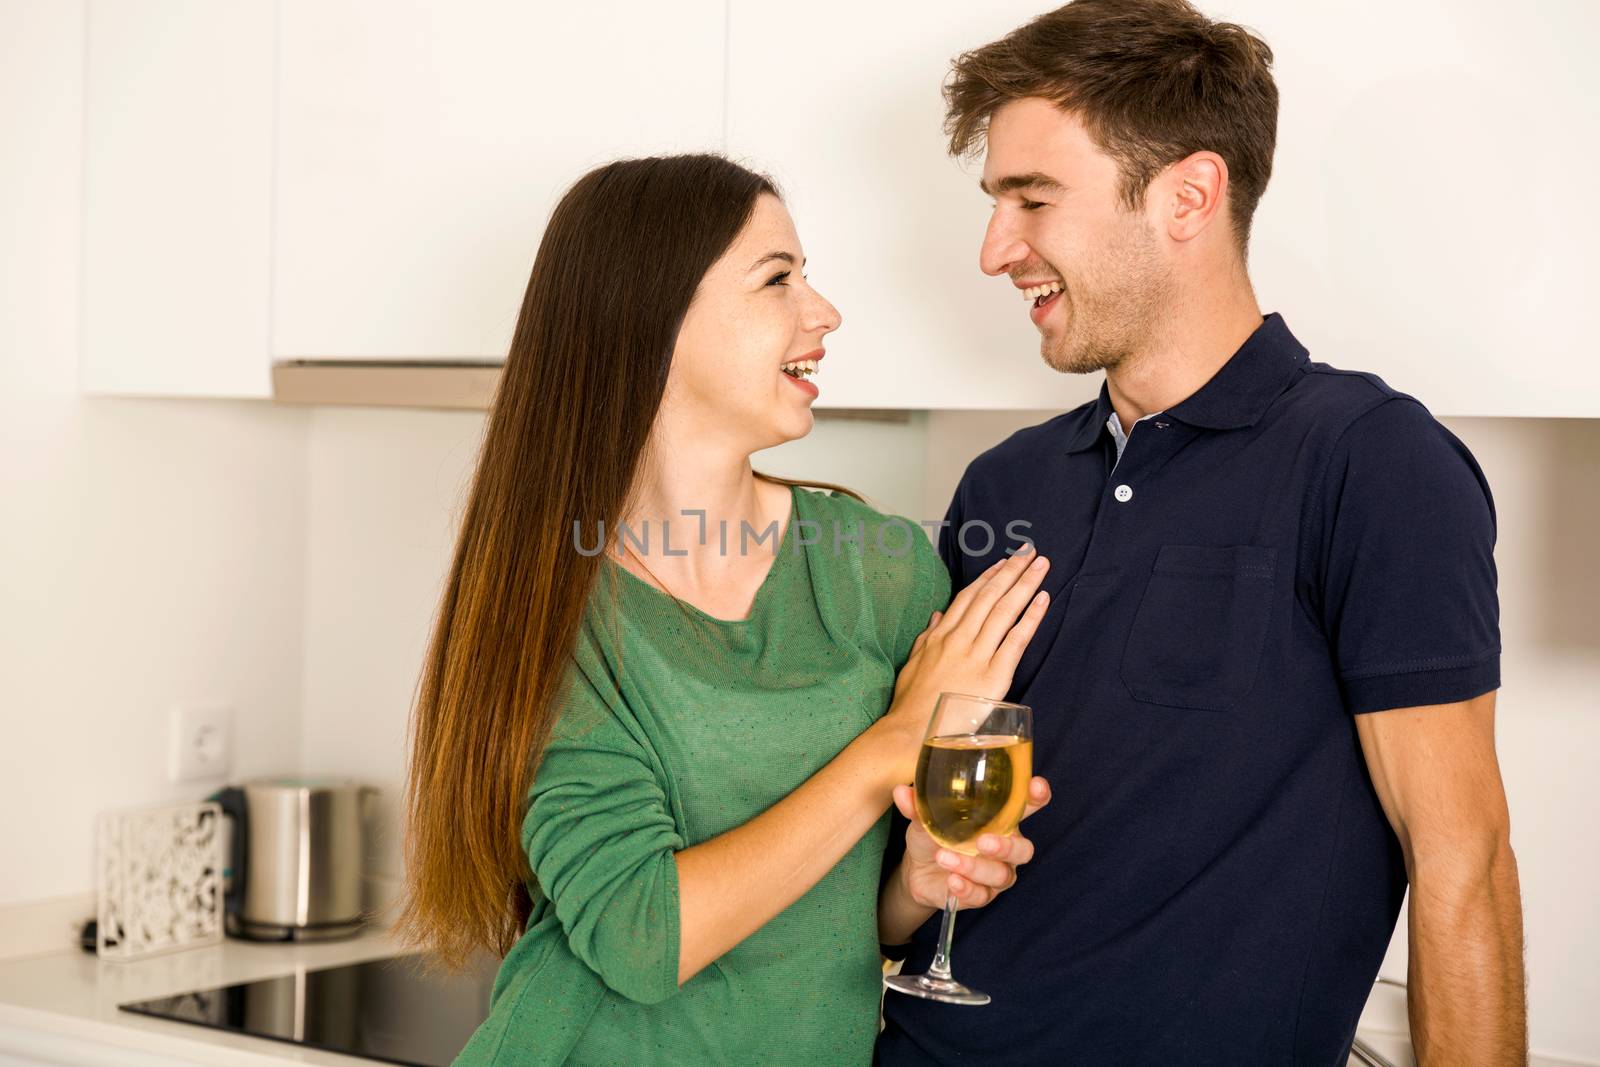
154	550
385	491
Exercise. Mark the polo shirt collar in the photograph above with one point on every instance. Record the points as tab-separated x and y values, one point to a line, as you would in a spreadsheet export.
1236	396
1240	393
1092	425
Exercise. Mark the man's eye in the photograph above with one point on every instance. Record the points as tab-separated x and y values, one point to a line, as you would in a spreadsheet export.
1032	205
777	279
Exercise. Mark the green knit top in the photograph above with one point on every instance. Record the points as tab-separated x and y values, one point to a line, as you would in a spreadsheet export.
675	727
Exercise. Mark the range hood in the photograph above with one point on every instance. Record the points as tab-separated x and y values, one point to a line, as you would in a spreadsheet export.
454	385
398	383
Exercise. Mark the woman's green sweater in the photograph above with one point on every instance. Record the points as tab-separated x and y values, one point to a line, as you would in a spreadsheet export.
676	727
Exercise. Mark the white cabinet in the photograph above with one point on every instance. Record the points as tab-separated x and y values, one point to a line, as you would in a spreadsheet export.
177	198
1420	220
368	180
1424	219
841	103
421	147
352	179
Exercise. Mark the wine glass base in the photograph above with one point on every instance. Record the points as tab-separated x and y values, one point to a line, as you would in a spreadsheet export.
941	989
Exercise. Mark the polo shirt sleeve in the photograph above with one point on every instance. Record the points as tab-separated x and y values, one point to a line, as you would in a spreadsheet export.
1408	592
600	839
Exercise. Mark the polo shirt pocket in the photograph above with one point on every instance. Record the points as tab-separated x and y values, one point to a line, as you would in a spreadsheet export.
1197	637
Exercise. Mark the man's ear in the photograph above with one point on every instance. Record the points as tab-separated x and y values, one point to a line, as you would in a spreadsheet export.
1190	196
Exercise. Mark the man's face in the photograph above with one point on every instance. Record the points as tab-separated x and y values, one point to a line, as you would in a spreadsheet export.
1058	216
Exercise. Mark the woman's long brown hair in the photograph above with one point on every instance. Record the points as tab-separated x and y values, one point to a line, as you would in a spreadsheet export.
618	266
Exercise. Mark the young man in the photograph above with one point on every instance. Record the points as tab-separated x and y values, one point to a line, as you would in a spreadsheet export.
1264	691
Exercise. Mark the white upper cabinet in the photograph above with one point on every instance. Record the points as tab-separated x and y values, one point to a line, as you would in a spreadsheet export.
177	198
1425	219
421	147
840	102
368	180
1420	222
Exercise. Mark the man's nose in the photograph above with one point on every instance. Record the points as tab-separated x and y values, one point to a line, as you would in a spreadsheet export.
1002	248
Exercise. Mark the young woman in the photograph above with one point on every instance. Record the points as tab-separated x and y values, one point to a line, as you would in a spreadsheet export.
655	778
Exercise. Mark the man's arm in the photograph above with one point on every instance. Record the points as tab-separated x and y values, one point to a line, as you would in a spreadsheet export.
1435	773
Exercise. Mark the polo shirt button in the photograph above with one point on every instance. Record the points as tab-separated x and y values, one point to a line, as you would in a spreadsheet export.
1123	493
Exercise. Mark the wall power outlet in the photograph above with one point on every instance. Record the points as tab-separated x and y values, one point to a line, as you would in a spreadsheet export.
201	742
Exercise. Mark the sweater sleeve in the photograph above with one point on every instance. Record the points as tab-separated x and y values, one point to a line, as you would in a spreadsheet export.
600	840
928	592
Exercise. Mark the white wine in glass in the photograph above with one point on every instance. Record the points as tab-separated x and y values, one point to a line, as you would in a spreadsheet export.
972	779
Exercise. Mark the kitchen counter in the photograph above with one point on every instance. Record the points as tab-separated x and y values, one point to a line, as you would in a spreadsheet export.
62	1007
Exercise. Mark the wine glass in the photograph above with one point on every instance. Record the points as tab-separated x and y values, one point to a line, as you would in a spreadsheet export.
972	778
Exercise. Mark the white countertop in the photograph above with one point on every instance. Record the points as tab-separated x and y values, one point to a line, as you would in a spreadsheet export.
64	1005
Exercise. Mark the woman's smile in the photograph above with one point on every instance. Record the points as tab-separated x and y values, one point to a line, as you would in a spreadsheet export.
798	370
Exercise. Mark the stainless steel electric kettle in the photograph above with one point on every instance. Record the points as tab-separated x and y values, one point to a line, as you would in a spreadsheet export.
296	858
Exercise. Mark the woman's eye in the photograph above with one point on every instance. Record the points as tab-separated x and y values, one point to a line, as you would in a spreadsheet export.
777	279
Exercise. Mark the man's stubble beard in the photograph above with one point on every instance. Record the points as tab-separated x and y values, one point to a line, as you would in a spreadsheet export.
1111	313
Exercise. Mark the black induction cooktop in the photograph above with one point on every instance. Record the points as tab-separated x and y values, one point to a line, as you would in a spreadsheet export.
384	1009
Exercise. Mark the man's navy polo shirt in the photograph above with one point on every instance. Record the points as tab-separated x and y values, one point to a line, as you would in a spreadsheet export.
1215	881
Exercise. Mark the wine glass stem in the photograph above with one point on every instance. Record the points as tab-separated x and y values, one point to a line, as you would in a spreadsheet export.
940	968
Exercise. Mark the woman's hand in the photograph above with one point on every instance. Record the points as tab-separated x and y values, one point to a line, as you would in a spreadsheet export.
971	647
930	873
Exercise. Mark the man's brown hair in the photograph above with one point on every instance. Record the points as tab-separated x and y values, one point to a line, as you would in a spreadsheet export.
1152	81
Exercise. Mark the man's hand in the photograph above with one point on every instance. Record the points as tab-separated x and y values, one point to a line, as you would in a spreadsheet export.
929	873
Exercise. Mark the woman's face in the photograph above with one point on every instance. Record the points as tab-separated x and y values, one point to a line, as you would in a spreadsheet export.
754	312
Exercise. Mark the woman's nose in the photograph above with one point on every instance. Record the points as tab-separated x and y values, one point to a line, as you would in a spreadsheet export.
822	315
